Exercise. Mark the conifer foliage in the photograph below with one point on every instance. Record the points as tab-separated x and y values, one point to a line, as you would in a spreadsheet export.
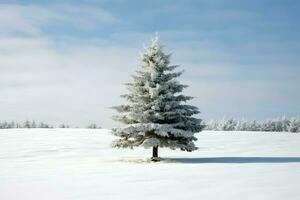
280	124
156	113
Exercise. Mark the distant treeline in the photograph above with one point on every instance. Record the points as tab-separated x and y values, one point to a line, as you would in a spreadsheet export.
34	124
281	124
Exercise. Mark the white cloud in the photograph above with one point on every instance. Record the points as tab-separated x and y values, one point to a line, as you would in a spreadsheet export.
31	19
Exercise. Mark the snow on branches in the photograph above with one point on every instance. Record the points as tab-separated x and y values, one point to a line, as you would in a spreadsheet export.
281	124
156	113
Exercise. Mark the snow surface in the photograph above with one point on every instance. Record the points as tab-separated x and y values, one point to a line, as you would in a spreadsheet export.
65	164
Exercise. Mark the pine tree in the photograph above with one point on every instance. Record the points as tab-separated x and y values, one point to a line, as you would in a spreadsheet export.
242	125
33	124
92	126
156	114
294	125
227	124
27	124
42	125
62	126
212	125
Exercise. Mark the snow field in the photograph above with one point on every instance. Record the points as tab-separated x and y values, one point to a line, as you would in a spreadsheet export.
65	164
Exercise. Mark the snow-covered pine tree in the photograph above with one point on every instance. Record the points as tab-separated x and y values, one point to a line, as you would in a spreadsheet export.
156	114
227	124
33	124
27	124
294	125
242	125
211	125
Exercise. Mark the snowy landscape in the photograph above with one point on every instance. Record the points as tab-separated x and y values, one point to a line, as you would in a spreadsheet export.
149	100
79	164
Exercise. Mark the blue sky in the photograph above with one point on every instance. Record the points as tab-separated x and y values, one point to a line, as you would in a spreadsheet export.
66	62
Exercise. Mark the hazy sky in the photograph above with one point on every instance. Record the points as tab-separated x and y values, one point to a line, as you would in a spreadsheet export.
66	62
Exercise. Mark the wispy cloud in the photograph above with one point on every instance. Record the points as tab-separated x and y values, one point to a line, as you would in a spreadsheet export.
36	19
47	82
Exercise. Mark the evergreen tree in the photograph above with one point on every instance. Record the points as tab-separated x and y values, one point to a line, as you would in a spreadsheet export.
33	124
242	125
92	126
253	126
62	126
156	114
42	125
294	125
212	125
285	123
18	125
227	124
27	124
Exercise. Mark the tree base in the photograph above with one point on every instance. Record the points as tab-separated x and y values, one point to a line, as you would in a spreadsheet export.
156	159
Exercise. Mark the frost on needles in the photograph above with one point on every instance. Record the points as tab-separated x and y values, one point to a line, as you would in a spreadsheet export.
156	113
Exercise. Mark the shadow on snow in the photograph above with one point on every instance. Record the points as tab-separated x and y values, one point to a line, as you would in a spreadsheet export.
238	160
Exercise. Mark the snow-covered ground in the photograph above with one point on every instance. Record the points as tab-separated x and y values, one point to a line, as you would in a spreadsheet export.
71	164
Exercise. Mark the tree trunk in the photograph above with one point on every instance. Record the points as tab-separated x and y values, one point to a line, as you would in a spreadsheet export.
155	154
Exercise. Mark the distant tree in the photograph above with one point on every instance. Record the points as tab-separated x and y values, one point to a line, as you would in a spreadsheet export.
62	126
212	125
281	124
253	126
93	126
267	125
5	125
42	125
227	124
9	125
27	124
13	125
294	125
285	123
33	124
241	125
18	125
